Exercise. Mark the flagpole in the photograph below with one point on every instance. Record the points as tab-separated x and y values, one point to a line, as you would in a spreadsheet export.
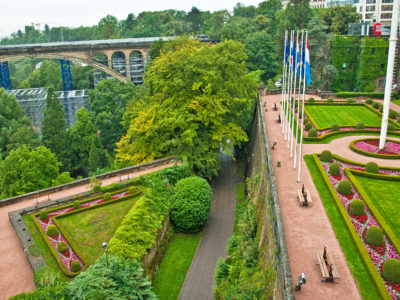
289	102
283	76
302	114
294	95
298	101
284	119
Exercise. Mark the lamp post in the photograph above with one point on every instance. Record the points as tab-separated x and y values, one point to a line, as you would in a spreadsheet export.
105	246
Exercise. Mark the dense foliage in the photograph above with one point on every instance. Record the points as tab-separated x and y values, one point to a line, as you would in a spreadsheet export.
344	187
391	270
371	167
334	169
357	207
326	156
374	236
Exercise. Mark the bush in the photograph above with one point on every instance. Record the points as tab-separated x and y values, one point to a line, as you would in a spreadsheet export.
357	207
374	236
62	247
392	114
390	127
344	187
312	133
330	100
307	127
52	230
45	277
191	204
34	250
132	190
326	156
306	121
311	100
75	266
77	204
334	169
372	167
376	105
350	100
43	215
360	126
221	269
335	127
391	270
377	95
369	101
95	185
107	197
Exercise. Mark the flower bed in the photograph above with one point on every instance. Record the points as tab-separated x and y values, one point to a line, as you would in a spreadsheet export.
370	147
378	254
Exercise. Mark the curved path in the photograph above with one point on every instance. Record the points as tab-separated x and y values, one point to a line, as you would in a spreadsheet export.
199	281
16	276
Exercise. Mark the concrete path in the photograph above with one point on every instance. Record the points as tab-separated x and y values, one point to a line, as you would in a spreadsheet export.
200	278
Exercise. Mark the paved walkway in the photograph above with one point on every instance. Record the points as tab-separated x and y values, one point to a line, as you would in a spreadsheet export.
16	275
200	278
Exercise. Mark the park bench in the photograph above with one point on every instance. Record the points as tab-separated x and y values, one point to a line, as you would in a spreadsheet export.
275	108
123	178
42	198
325	268
303	201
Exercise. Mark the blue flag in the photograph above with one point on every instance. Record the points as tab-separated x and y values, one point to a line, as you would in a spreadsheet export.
287	47
293	53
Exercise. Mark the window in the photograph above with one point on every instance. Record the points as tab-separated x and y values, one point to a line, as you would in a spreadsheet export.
386	16
368	16
370	8
381	83
387	7
361	8
371	1
387	1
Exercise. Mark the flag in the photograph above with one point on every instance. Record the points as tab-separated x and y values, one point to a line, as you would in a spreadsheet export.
286	48
308	68
298	56
292	54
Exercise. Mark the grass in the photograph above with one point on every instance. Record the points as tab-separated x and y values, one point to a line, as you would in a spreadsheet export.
365	283
172	271
385	195
89	229
397	102
240	203
325	116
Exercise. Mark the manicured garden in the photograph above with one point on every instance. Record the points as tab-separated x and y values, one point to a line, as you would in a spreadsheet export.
370	147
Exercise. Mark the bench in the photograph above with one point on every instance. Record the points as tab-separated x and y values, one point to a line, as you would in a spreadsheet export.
278	119
42	198
123	178
275	108
303	201
325	268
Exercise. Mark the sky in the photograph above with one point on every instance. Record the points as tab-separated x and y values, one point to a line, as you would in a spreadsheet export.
72	13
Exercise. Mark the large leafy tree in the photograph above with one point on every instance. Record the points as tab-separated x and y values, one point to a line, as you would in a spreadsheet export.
337	18
48	74
26	170
54	130
199	96
237	29
15	128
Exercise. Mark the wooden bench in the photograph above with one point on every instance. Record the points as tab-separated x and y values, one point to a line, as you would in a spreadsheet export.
42	198
123	178
303	201
325	268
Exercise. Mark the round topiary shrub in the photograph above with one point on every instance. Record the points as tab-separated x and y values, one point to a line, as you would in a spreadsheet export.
392	114
43	215
52	230
350	100
312	133
391	270
107	197
360	126
335	127
334	169
75	266
372	167
132	190
311	100
375	105
357	207
62	247
191	204
307	127
344	187
330	100
368	101
326	156
374	236
306	121
77	204
390	127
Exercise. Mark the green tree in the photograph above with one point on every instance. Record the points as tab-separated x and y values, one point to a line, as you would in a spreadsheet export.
193	112
299	13
243	11
94	158
218	20
338	17
115	279
269	9
26	170
48	74
54	130
238	29
108	26
82	77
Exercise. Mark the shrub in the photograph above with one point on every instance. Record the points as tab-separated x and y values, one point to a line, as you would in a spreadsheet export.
357	207
191	204
372	167
334	169
335	127
43	215
75	266
107	197
330	100
77	204
62	247
311	100
95	185
34	250
52	230
375	105
344	187
391	270
360	126
221	270
378	95
390	127
350	100
326	156
312	133
44	277
374	236
132	190
392	114
307	127
368	101
306	121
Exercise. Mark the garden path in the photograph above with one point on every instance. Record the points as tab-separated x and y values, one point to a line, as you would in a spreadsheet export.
199	281
15	272
307	230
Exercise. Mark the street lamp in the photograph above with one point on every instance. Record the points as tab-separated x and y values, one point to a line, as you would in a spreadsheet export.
105	247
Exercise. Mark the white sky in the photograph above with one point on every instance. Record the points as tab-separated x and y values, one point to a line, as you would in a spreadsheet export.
15	14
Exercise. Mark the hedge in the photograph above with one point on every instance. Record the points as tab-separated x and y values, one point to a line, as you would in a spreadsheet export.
385	156
376	95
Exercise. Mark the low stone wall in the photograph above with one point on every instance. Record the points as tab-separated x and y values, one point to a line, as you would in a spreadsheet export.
85	181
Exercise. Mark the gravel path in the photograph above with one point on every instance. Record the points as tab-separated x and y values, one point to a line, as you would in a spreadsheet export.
16	275
200	278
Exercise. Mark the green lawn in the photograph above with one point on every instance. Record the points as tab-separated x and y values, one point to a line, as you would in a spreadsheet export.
325	116
174	266
397	102
240	203
89	229
385	194
366	284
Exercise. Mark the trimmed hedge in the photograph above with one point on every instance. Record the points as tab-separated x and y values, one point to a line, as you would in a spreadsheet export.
391	127
374	236
326	156
335	127
357	207
392	114
369	101
391	270
107	197
43	215
372	167
350	100
360	126
334	169
377	95
376	105
344	187
77	204
311	100
377	155
329	100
